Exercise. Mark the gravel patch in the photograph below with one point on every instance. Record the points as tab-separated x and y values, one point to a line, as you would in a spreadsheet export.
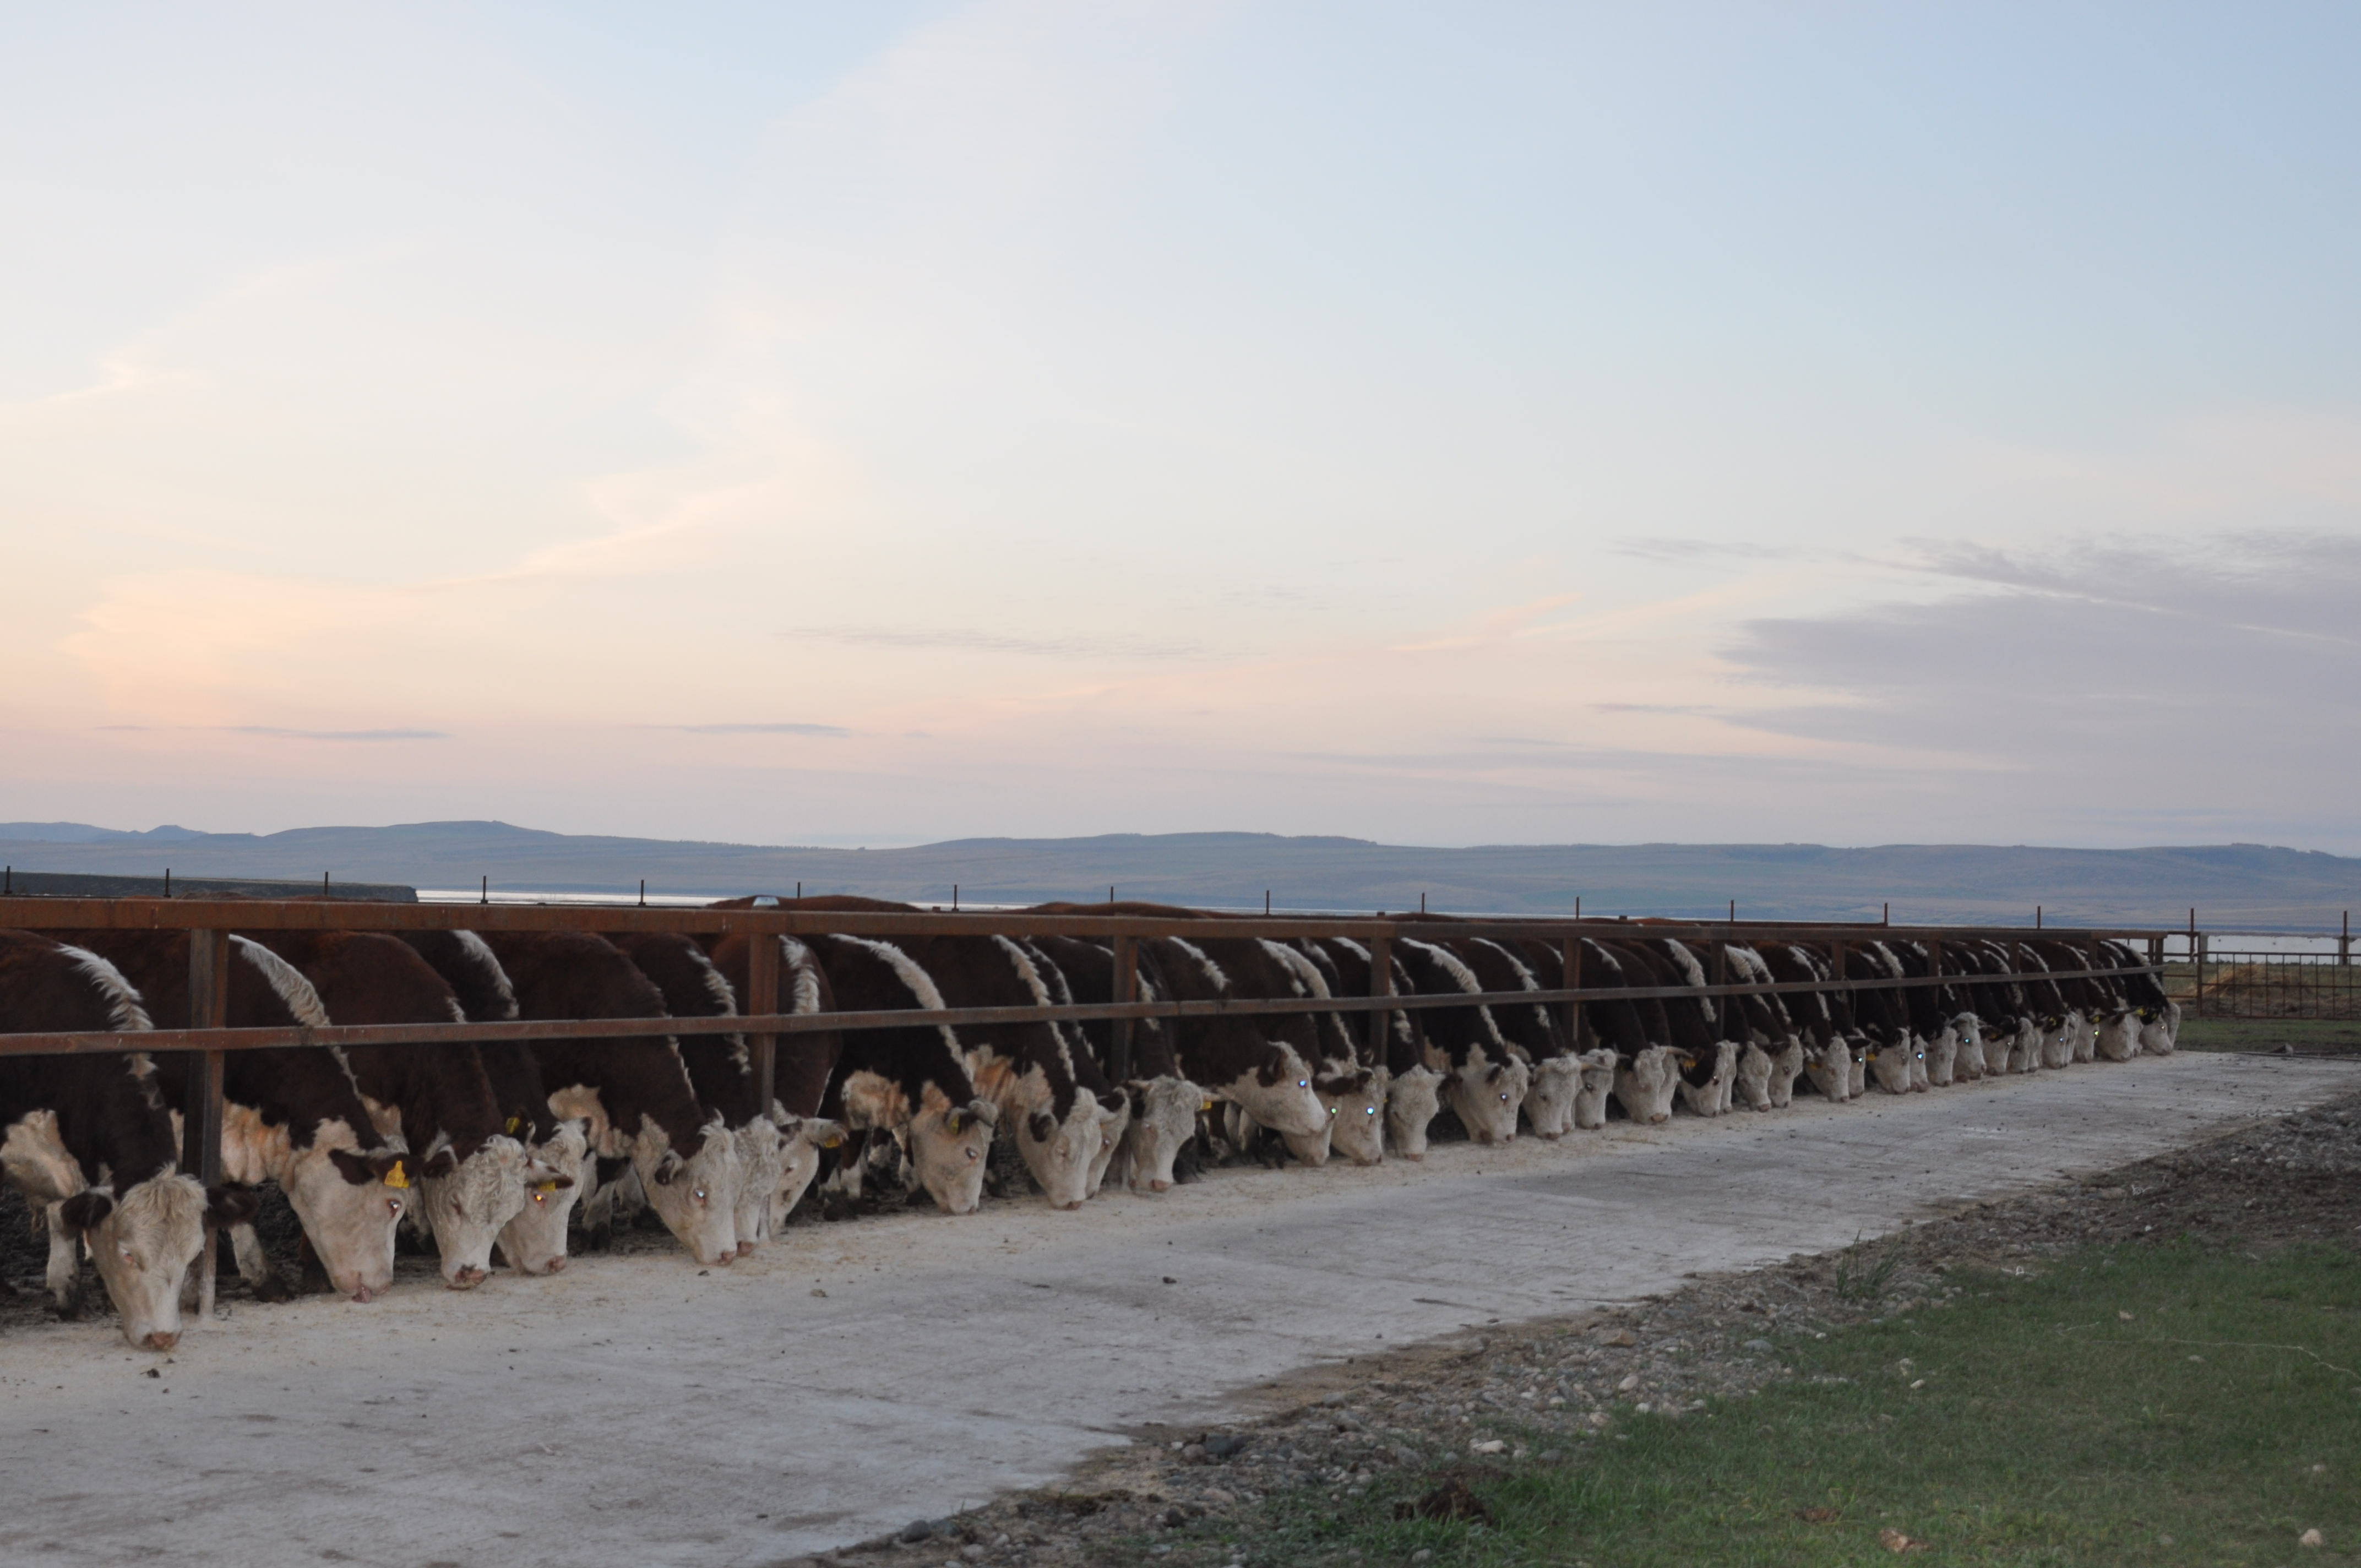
1546	1391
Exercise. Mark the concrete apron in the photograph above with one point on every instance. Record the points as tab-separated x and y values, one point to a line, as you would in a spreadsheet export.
633	1411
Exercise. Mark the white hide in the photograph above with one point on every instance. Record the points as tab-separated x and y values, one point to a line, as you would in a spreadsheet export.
1549	1099
1712	1097
1786	1067
2118	1038
468	1207
142	1249
696	1196
2160	1031
1413	1099
1163	1121
948	1145
1830	1069
1646	1087
1357	1127
1485	1095
558	1173
1286	1106
1595	1083
1752	1083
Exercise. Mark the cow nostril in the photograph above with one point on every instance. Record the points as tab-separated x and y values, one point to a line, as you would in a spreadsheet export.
1160	1186
160	1340
556	1266
744	1248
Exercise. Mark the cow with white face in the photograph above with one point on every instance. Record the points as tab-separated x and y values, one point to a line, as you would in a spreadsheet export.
1245	1061
1162	1104
1484	1081
292	1115
68	1120
632	1092
438	1098
1772	1057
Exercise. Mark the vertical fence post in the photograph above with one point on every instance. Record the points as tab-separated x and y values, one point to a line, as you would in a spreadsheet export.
1570	976
762	998
1381	983
200	1114
2344	943
1126	989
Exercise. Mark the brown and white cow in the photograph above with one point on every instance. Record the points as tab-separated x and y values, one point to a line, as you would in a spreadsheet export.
1413	1089
1164	1104
1484	1081
534	1241
909	1084
474	1177
634	1091
289	1115
88	1143
1773	1057
800	1068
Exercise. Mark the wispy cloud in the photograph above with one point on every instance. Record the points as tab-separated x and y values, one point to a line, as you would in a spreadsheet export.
276	732
832	731
1657	549
974	641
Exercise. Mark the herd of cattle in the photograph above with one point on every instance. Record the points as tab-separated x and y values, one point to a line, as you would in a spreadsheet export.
498	1145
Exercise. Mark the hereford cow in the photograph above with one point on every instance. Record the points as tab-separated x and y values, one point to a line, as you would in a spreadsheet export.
1413	1088
1534	1032
1164	1104
88	1143
472	1175
909	1085
800	1068
1772	1056
289	1115
534	1241
1821	1016
634	1091
1484	1081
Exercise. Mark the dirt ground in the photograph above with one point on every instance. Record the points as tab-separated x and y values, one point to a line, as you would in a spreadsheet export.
2295	1179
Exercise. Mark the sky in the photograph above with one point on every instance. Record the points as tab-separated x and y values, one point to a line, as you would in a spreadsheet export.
882	423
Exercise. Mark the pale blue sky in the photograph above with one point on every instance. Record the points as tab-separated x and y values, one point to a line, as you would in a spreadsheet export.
1443	424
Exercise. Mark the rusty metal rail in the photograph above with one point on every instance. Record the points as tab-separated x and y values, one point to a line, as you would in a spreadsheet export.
210	922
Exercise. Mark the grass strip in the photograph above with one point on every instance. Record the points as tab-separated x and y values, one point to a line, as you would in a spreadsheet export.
2151	1405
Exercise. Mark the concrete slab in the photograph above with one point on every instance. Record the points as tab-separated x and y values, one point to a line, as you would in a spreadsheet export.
636	1411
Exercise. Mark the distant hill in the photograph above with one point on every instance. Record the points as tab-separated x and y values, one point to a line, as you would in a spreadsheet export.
2235	885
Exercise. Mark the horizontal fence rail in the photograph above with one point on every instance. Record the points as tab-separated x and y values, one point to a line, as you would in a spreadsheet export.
211	921
920	1018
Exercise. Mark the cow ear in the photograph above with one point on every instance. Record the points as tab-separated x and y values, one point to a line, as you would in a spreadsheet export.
1040	1125
439	1163
87	1210
228	1205
667	1169
354	1168
985	1112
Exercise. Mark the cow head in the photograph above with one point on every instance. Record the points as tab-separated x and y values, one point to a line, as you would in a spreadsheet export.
1061	1155
1163	1120
761	1146
696	1197
948	1145
1941	1054
1709	1095
1485	1096
1645	1086
350	1203
2086	1036
2117	1037
801	1141
1829	1067
1786	1067
1356	1107
143	1244
1889	1064
1752	1083
1278	1094
1112	1133
2058	1032
2024	1050
554	1179
1857	1075
1413	1099
2159	1029
1550	1098
1597	1083
468	1202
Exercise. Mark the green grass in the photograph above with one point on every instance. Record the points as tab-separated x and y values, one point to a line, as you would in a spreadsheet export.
2268	1034
2049	1430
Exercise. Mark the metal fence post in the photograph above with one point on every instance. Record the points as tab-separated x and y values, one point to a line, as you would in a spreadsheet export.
1381	983
1126	989
763	1000
201	1120
1570	958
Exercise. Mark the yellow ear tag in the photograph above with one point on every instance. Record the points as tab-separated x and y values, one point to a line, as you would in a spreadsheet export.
397	1176
835	1142
1208	1106
545	1188
514	1122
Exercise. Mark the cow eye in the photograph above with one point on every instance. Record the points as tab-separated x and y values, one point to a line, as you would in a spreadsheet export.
126	1252
698	1194
970	1157
394	1207
1303	1083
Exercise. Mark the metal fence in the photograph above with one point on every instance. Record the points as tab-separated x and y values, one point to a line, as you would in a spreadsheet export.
2228	983
209	922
